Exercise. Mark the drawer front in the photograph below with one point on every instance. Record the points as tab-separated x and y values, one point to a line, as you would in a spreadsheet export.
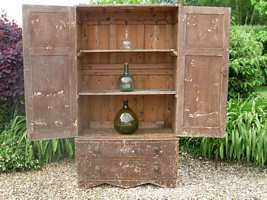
128	148
126	169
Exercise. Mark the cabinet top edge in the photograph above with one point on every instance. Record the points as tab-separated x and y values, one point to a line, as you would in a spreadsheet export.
128	5
125	6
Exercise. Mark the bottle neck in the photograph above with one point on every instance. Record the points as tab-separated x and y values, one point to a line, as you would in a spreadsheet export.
125	69
125	104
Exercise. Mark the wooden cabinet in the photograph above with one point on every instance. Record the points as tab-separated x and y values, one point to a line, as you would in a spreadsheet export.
73	57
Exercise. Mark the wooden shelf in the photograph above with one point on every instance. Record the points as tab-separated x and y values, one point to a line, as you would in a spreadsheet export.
117	92
173	52
142	133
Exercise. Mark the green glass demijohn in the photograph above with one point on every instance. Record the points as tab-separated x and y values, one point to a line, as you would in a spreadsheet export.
126	121
126	82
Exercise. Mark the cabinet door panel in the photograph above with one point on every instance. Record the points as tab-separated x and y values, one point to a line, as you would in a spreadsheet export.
49	38
202	72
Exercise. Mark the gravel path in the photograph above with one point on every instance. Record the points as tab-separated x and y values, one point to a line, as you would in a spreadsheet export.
198	179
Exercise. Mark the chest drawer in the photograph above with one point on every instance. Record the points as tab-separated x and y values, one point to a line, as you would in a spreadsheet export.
126	163
128	148
126	169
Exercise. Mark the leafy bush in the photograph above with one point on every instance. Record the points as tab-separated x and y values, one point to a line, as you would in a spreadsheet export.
11	62
245	138
16	151
6	114
248	64
261	35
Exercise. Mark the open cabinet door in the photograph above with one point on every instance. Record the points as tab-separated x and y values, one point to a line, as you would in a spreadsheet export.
202	71
49	39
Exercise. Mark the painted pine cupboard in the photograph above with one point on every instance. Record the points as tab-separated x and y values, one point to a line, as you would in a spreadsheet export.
73	58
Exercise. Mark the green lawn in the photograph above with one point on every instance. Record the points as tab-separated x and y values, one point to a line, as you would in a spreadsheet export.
262	91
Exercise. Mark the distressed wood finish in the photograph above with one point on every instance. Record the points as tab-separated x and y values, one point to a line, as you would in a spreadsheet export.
117	92
150	155
134	162
141	134
148	28
50	71
202	73
172	51
73	58
149	70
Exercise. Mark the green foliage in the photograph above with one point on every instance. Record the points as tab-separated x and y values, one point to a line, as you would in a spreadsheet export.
260	6
16	151
260	34
248	64
5	114
245	138
244	12
262	91
52	150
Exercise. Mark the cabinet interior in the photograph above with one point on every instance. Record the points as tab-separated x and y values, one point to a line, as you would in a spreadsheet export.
152	63
148	28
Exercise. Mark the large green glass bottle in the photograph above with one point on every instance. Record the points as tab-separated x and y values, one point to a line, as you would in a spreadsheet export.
126	82
126	121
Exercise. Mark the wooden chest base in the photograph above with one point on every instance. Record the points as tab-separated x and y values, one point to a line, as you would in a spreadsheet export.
126	162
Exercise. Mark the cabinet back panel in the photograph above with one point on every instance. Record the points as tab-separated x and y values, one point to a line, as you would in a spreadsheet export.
132	57
150	71
146	76
148	29
153	111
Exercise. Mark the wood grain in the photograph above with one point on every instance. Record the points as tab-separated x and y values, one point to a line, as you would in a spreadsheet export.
117	92
50	72
202	72
171	51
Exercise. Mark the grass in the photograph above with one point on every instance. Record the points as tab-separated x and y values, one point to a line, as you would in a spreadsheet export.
262	91
245	138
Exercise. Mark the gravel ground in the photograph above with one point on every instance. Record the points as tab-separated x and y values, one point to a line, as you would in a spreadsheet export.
198	179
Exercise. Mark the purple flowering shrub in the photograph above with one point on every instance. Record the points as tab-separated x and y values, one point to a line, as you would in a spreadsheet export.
11	60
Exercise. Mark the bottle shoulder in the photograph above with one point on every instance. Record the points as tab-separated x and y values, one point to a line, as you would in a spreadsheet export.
126	78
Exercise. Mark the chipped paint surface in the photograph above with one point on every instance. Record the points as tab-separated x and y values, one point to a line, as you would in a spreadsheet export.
60	92
126	169
58	123
75	124
39	123
188	79
33	21
125	149
37	94
48	47
196	115
193	63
